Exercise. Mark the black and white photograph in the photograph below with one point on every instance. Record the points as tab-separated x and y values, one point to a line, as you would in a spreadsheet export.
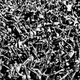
39	39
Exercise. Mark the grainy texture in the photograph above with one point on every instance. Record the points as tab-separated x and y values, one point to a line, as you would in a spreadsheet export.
39	40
